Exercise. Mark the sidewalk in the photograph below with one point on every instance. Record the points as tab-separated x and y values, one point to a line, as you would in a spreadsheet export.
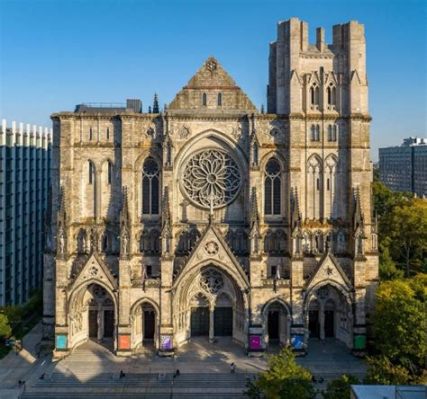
19	366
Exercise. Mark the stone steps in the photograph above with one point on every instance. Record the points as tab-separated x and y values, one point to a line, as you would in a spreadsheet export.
144	385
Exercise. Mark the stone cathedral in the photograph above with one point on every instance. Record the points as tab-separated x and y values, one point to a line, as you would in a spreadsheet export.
214	219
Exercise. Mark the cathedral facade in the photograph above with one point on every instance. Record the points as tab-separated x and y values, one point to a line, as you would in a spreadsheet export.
214	219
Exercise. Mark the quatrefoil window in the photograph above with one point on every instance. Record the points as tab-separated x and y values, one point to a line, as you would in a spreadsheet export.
211	281
211	177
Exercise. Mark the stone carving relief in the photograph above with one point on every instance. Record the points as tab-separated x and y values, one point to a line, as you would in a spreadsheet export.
211	281
211	248
184	132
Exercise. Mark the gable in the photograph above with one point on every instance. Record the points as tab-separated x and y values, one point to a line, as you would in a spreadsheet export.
329	269
95	269
211	81
212	248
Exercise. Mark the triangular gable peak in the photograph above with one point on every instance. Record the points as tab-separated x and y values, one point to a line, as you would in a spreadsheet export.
212	249
96	270
331	78
211	89
330	270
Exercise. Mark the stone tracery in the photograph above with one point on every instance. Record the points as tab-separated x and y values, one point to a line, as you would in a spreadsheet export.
211	176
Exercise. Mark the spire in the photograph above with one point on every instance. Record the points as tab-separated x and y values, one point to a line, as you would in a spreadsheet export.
166	233
124	214
295	211
166	216
254	209
156	109
124	225
358	221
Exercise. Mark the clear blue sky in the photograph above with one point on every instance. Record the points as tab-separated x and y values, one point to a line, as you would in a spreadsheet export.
55	54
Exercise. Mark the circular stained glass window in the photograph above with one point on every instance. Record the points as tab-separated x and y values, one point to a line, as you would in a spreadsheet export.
211	178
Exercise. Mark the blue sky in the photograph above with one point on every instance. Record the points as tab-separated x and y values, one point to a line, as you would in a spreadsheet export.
55	54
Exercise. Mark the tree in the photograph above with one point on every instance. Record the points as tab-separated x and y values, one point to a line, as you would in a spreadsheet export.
388	269
340	388
382	371
5	329
402	230
400	322
283	379
408	233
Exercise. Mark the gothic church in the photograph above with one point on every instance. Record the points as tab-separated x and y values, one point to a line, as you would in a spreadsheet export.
214	219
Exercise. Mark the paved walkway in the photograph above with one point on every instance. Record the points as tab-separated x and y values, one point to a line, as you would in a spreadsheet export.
20	366
204	368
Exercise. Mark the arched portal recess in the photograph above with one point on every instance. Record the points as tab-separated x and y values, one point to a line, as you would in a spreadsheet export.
92	316
329	315
210	304
276	323
145	325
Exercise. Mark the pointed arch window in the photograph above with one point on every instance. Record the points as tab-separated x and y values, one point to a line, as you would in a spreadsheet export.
314	94
150	187
109	172
90	134
272	188
108	133
332	132
204	99
219	100
315	133
91	173
331	92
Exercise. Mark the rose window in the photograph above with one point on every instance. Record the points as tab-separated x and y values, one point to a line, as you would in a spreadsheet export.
211	281
211	178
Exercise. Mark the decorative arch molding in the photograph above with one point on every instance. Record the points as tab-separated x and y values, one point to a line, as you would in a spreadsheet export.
274	154
345	292
143	156
217	137
276	299
239	277
140	302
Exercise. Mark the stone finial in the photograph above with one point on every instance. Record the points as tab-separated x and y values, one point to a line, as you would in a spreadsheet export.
3	125
13	127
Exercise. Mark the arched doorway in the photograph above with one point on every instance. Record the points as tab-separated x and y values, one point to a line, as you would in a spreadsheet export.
329	314
92	316
223	316
199	316
145	322
314	319
276	323
209	303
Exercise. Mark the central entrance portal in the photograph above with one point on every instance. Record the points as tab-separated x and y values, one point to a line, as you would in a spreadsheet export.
199	321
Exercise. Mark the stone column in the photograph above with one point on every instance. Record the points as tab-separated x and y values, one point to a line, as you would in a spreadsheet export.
211	324
100	321
322	320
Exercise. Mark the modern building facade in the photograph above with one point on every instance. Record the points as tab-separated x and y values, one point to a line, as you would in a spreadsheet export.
404	168
213	219
24	186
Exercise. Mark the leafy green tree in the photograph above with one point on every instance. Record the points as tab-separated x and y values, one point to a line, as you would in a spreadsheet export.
388	269
408	234
400	322
283	379
340	388
383	372
5	329
402	229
